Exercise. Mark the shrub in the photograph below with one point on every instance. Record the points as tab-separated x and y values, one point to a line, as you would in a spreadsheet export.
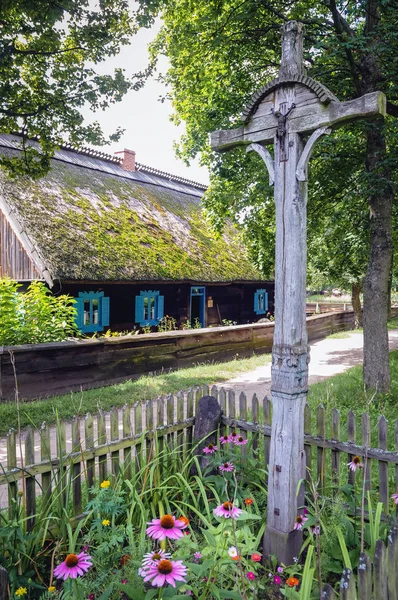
34	316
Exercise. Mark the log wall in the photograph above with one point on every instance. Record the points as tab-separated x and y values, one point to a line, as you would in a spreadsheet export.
14	261
61	367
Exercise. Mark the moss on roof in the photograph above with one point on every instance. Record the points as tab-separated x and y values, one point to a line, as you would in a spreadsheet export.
91	225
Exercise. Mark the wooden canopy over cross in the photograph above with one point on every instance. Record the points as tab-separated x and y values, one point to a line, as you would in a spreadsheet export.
291	112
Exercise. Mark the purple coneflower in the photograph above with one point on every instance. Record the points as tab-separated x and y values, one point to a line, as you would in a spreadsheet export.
153	557
225	439
227	466
300	520
227	510
166	527
73	566
355	464
395	498
165	571
240	441
210	449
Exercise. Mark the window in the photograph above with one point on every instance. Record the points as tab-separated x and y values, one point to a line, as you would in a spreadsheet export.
92	311
260	302
149	308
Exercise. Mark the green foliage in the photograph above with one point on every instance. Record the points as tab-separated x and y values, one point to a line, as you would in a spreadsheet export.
49	51
34	316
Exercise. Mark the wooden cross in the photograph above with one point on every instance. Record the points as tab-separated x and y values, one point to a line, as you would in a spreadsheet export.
291	112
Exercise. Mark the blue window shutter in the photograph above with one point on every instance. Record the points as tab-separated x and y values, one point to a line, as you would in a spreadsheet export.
160	308
266	301
105	312
139	309
255	302
80	313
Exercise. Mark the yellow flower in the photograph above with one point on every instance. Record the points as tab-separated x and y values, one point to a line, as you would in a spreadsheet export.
52	589
21	591
106	522
105	484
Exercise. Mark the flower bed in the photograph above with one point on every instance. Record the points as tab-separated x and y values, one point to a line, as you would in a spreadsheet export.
183	527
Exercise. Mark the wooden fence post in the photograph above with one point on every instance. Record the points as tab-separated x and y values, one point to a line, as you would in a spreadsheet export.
207	421
4	595
347	586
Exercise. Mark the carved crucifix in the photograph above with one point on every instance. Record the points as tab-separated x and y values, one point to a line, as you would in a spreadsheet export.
291	112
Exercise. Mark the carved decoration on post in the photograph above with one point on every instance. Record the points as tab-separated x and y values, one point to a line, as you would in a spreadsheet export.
284	113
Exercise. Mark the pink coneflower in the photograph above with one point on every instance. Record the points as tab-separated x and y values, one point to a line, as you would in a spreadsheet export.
73	566
355	464
152	557
225	439
227	466
166	527
277	580
300	520
250	575
165	571
240	441
395	498
233	435
227	510
210	449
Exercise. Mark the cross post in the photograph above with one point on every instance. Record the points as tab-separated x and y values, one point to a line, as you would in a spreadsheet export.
291	112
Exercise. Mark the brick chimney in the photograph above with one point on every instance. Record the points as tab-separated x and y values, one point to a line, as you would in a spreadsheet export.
128	159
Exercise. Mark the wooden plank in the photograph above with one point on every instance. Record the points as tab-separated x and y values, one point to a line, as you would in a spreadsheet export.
126	421
254	417
367	475
267	414
115	458
243	417
180	435
336	454
102	466
396	466
190	413
150	444
392	563
45	455
161	407
307	447
321	433
380	572
351	436
30	482
89	443
61	478
11	464
232	409
4	584
383	466
138	431
328	593
364	577
76	469
347	586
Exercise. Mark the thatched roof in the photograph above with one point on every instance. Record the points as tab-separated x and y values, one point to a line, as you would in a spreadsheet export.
89	219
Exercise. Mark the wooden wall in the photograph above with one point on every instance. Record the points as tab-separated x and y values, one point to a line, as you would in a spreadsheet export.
59	368
14	261
231	301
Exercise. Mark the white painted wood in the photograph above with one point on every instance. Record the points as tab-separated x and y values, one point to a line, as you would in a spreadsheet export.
302	165
267	158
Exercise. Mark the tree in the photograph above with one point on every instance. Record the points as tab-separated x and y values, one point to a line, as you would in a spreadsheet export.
221	52
48	53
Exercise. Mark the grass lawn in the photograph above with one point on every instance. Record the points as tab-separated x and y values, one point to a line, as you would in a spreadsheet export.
128	392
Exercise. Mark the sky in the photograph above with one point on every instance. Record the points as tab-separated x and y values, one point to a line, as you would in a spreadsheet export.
146	120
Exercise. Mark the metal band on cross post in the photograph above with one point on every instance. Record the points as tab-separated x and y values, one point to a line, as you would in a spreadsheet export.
285	112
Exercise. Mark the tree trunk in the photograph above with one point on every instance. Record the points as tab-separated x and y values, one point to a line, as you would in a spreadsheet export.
356	289
376	371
